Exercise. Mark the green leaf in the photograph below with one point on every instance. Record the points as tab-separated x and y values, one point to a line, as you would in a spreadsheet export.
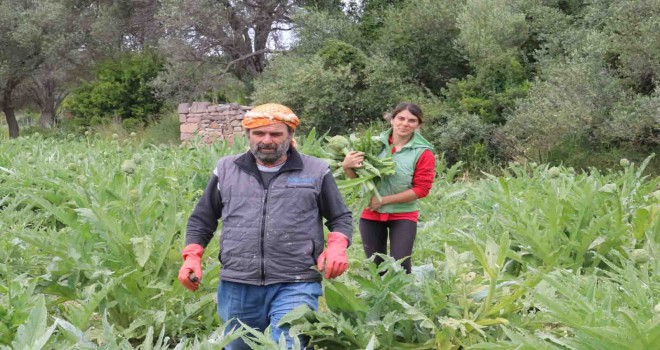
79	314
372	343
416	314
339	297
302	312
75	334
142	247
641	221
34	333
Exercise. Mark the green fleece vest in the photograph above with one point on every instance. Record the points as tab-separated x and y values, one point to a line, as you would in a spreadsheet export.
405	159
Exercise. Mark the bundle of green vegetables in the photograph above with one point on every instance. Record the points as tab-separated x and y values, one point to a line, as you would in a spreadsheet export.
359	190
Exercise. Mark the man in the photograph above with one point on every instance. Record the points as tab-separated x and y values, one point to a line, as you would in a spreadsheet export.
271	201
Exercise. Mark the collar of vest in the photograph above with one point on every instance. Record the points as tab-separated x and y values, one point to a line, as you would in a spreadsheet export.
248	163
416	141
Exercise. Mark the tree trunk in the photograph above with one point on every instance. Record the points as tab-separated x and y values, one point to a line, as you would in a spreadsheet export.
45	94
46	119
8	108
47	110
11	120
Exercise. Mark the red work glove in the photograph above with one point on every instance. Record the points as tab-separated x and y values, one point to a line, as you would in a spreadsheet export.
334	257
190	273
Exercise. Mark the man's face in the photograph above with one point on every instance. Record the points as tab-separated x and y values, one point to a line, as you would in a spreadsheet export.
269	144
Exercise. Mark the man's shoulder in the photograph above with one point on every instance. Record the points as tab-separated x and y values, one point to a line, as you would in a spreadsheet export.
229	159
313	161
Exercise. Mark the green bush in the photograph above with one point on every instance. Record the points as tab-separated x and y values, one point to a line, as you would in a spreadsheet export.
581	153
578	100
421	35
492	92
490	29
120	91
635	60
46	133
163	132
336	53
461	137
132	124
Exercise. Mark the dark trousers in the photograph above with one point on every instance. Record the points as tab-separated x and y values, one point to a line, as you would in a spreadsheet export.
401	235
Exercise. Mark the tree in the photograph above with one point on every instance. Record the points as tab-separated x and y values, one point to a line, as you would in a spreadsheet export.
45	89
40	41
119	26
329	6
422	36
490	29
338	92
314	28
370	15
235	34
66	57
9	84
634	31
25	26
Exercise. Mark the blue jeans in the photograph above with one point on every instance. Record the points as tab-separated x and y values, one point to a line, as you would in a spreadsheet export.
261	306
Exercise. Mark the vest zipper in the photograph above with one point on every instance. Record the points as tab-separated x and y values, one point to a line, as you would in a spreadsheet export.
261	243
263	228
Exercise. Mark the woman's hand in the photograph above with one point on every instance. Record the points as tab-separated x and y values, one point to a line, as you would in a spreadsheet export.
353	160
375	204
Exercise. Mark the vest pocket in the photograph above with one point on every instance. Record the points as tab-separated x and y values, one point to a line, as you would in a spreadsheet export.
292	256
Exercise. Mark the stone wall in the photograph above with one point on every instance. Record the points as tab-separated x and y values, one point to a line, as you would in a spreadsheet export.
210	121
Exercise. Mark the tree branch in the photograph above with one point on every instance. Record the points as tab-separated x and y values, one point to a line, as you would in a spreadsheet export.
233	62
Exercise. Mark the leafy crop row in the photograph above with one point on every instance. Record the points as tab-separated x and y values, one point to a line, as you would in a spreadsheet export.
535	258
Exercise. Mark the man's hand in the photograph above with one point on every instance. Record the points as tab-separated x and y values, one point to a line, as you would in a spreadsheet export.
333	259
190	274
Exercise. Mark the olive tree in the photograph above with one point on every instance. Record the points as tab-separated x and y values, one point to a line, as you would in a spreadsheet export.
27	27
598	85
218	40
47	45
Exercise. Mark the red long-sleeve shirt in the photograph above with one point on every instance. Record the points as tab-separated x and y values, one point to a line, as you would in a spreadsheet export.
421	185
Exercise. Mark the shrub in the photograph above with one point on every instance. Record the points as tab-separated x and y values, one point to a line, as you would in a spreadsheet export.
165	131
119	91
336	53
421	35
492	92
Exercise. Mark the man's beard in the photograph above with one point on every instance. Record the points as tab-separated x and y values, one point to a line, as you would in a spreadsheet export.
270	158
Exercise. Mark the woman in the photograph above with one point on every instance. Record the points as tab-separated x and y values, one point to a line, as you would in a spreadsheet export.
396	214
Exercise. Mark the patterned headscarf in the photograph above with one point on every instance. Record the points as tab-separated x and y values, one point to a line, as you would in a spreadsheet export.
269	113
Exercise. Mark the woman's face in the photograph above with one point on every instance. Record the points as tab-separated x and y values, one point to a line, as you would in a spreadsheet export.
404	123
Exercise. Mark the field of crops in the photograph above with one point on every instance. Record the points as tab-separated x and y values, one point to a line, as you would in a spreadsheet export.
538	258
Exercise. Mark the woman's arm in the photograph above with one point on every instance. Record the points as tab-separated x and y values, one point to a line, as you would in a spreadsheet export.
401	197
424	174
